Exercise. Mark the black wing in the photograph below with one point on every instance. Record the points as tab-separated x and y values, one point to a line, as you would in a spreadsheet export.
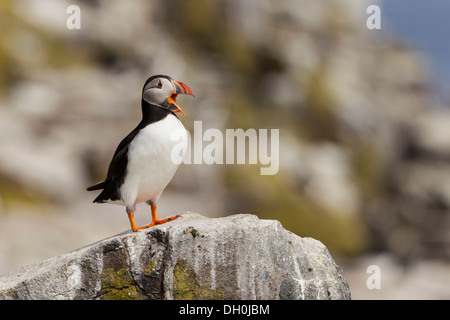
116	171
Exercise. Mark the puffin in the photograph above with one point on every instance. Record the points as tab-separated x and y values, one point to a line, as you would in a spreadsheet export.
144	162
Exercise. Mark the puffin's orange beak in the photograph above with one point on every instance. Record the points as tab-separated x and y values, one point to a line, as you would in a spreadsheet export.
180	88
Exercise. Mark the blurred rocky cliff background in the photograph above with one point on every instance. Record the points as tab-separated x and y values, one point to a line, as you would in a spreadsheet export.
364	143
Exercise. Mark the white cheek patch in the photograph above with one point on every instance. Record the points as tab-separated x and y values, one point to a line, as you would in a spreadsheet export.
154	95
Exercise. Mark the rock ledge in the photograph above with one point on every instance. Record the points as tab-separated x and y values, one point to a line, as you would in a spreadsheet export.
193	257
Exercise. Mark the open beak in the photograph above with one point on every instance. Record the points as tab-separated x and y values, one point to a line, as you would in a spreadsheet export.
180	88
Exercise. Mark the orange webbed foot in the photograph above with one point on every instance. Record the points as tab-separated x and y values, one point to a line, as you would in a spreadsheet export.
155	220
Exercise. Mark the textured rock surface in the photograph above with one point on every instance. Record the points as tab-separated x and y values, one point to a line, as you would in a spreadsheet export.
193	257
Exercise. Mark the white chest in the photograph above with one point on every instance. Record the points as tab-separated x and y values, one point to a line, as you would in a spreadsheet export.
153	158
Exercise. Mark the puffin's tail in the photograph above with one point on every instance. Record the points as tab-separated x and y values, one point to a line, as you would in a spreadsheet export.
97	186
110	191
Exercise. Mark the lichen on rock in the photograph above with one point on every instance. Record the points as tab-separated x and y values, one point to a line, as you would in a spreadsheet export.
187	287
118	285
185	284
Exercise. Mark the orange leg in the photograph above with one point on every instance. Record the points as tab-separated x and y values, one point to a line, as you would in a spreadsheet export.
155	220
133	225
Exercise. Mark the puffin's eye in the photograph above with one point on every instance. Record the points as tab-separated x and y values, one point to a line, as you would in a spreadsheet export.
159	85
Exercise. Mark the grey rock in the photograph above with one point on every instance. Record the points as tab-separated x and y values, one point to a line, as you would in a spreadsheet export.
193	257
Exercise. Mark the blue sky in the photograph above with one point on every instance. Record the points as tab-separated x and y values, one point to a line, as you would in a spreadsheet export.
426	24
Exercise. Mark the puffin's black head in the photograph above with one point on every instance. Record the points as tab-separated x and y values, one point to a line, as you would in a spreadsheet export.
162	91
